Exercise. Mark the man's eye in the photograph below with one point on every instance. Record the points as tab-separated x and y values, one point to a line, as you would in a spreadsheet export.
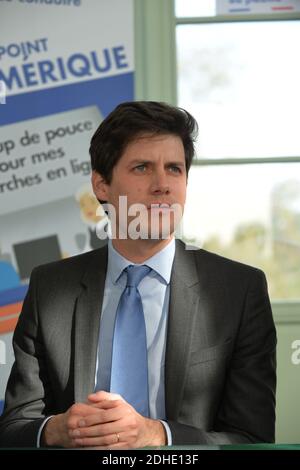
175	169
140	168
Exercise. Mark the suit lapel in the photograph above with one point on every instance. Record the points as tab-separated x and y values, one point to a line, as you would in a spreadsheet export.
87	320
184	303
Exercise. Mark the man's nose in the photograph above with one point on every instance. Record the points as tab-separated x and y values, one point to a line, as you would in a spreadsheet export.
159	183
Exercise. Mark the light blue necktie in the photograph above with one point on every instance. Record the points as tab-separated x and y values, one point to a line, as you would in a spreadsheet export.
129	367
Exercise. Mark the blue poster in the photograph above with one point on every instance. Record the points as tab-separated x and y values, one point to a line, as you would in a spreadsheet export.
64	65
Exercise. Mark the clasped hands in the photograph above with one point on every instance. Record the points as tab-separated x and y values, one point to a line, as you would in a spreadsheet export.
106	421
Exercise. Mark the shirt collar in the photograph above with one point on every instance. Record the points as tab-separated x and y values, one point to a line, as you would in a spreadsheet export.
161	262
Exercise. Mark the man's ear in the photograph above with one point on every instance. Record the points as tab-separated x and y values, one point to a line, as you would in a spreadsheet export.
100	186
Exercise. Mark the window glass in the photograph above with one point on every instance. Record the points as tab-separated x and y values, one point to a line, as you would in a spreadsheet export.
250	213
241	82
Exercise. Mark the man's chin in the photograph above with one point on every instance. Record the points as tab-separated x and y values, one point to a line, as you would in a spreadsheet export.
160	229
152	235
157	234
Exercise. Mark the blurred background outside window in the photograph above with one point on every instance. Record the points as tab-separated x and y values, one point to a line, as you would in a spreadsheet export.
240	80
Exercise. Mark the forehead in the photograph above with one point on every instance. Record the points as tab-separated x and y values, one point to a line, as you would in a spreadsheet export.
154	146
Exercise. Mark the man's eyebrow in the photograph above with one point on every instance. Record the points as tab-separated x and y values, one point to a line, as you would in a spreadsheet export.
143	161
139	161
176	163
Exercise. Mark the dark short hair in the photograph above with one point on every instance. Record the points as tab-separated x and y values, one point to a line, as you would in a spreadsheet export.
129	120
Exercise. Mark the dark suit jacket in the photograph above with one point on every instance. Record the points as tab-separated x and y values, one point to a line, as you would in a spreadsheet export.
220	355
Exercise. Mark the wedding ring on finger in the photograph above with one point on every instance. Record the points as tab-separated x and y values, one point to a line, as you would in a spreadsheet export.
118	437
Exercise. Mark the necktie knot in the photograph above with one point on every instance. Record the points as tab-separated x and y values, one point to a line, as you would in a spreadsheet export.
135	274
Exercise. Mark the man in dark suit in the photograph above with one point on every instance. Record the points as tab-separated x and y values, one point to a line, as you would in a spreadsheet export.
210	336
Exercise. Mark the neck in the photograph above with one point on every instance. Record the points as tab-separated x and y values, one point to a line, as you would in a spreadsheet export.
140	250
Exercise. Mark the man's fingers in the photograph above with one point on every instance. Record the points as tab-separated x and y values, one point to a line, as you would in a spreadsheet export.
98	430
81	409
106	404
96	413
77	412
108	440
100	416
101	395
